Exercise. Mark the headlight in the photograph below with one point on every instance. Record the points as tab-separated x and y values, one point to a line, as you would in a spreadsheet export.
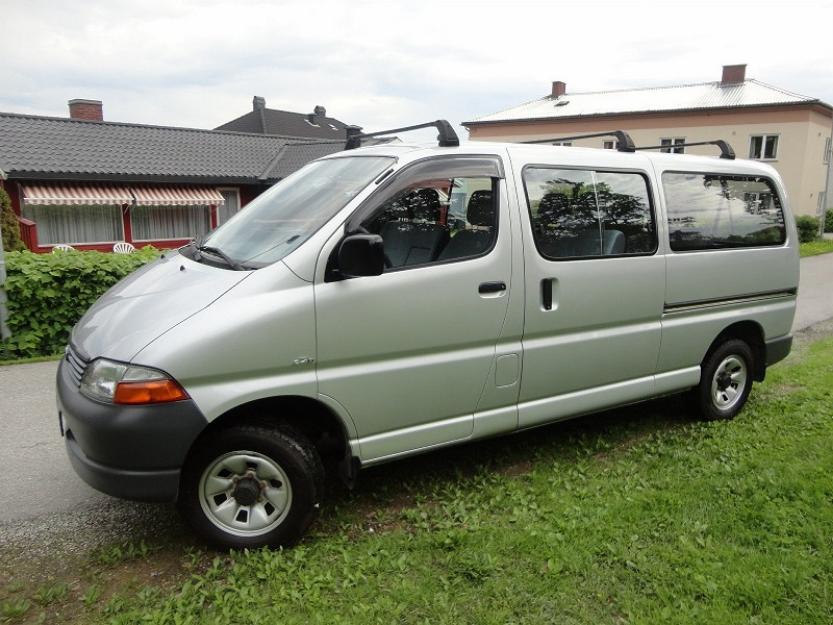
118	383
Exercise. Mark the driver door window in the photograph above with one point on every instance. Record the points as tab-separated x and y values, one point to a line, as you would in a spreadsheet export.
436	220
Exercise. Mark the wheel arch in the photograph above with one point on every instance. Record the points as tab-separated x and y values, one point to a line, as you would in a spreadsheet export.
751	333
312	417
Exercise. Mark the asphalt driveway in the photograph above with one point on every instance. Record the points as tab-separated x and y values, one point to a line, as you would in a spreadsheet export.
40	492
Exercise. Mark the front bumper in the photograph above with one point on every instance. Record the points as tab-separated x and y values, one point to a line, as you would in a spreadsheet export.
133	452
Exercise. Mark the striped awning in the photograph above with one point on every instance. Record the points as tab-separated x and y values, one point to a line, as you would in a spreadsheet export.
84	194
177	196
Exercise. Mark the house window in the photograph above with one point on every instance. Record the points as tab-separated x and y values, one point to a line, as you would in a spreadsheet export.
611	145
763	147
230	207
821	206
563	143
73	224
827	150
669	143
160	223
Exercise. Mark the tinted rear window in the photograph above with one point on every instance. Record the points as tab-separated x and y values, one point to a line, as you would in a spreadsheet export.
712	211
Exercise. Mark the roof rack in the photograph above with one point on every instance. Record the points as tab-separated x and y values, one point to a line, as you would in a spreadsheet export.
624	143
726	150
446	138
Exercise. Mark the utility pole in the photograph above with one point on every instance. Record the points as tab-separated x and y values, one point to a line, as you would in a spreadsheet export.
4	329
824	205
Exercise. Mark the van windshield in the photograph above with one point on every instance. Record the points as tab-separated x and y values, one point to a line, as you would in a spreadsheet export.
282	218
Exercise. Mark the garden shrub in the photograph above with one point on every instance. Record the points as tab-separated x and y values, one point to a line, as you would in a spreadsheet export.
48	294
9	225
808	228
828	220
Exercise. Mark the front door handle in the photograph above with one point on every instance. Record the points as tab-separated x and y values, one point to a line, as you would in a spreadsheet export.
491	287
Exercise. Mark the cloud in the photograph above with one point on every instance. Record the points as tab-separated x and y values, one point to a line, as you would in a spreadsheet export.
387	63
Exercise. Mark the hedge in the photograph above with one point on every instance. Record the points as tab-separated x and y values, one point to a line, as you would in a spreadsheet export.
48	294
9	225
808	228
828	220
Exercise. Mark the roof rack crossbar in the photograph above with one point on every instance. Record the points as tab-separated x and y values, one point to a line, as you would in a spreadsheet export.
624	143
446	137
726	150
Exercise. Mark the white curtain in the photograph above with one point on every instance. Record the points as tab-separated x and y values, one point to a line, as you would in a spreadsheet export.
231	206
157	223
72	224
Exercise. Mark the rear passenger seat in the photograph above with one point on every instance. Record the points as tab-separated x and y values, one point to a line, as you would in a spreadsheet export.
420	239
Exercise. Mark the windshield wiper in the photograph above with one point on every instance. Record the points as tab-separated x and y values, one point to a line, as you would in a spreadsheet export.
216	251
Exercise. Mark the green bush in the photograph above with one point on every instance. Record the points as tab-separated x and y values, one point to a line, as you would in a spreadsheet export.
808	228
828	220
48	294
9	225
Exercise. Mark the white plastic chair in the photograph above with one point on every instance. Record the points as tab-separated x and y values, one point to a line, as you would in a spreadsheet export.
62	247
123	247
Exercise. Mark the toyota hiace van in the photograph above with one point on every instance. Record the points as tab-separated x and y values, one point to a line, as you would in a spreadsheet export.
392	299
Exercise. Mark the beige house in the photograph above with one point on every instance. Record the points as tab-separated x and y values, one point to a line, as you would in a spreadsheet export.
790	131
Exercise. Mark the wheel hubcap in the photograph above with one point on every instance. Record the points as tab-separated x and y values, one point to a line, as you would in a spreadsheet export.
245	493
729	382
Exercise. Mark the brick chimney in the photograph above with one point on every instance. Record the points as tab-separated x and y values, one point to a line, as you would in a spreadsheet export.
733	74
86	109
558	88
258	103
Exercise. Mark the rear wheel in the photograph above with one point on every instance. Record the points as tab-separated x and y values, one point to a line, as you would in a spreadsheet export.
251	486
726	380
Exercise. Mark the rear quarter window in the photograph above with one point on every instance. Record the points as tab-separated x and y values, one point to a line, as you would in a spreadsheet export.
718	211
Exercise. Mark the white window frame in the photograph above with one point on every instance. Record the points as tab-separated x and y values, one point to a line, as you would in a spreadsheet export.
80	243
827	146
610	145
764	137
137	240
239	204
672	147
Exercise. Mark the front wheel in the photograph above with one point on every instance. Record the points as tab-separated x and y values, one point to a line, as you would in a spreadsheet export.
726	380
252	486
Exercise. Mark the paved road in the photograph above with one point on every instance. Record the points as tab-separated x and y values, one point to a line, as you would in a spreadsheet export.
39	484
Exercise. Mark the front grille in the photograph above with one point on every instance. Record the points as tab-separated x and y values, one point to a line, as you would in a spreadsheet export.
77	365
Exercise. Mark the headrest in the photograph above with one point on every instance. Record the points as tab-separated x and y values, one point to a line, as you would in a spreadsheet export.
425	205
481	212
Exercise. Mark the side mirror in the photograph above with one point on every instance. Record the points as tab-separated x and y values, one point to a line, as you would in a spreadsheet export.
361	255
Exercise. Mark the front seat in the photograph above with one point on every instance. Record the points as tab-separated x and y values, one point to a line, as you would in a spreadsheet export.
420	239
480	213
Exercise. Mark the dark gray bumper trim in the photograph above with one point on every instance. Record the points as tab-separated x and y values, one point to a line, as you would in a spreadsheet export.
158	485
778	349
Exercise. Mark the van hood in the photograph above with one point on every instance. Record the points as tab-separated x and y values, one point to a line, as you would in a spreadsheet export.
147	303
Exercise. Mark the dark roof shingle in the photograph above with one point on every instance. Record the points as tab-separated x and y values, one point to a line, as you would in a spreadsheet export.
287	123
55	147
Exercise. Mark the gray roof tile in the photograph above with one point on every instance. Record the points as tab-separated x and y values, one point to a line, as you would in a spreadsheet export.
287	123
54	147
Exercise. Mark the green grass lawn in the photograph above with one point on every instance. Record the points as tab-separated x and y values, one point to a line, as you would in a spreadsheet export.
638	516
814	248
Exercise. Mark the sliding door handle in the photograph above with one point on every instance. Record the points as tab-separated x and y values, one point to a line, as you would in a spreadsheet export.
491	287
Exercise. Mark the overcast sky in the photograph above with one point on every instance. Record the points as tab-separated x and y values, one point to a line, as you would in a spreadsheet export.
377	64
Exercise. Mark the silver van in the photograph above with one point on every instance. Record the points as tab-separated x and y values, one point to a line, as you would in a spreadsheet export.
389	300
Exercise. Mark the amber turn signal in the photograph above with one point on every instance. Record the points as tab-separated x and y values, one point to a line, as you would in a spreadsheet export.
148	392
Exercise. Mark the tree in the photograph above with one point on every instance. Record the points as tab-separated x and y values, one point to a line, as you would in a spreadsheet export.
9	225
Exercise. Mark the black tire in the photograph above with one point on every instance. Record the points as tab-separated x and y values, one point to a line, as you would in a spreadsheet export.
289	449
709	406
